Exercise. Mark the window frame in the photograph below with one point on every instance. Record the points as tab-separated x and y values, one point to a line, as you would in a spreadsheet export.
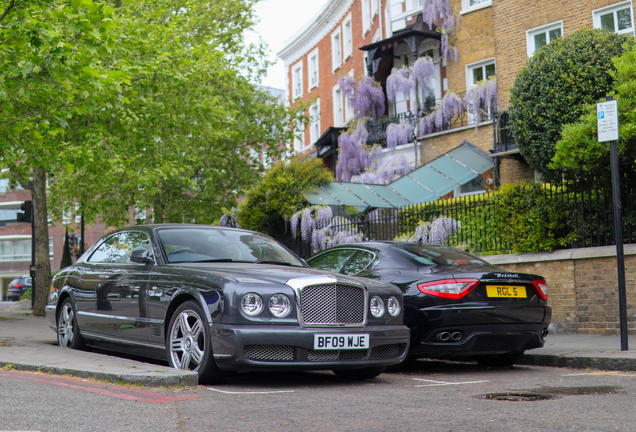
314	120
310	86
366	17
469	78
466	7
348	113
336	62
596	15
297	67
347	46
299	141
375	8
336	95
530	34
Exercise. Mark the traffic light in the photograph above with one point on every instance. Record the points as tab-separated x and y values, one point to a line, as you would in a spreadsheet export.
27	212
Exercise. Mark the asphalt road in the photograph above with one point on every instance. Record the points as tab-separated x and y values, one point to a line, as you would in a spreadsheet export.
430	396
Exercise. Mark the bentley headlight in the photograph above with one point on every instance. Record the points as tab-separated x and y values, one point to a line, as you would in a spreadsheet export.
279	305
252	304
377	307
394	307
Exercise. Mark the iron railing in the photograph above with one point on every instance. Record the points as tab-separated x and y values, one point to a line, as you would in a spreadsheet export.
579	214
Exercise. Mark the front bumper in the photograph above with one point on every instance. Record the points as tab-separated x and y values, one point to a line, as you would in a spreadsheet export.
279	347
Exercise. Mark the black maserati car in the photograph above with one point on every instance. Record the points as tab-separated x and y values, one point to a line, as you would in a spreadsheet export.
457	306
213	299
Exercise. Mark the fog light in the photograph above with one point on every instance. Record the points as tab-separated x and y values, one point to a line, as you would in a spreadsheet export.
252	304
394	307
377	307
279	305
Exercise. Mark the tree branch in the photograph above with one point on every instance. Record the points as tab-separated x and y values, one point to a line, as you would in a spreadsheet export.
6	11
33	115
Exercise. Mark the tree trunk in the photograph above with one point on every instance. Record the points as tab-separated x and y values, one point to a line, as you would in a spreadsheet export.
42	258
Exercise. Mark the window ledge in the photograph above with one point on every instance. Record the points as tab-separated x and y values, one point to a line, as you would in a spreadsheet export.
475	8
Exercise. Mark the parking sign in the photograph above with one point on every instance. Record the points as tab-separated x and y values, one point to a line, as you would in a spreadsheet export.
607	120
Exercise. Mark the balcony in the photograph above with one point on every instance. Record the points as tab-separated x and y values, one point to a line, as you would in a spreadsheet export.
377	128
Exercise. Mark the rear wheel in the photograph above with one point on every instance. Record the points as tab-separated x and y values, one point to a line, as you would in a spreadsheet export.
500	360
360	374
189	345
67	329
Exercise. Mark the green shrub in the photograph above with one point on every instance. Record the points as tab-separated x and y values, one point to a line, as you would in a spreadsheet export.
26	295
280	194
555	86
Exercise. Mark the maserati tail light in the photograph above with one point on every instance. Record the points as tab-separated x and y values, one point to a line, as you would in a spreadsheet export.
449	288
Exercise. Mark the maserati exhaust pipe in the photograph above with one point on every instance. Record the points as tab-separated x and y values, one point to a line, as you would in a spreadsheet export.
443	336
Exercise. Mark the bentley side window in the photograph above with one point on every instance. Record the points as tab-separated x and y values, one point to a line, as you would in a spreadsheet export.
117	248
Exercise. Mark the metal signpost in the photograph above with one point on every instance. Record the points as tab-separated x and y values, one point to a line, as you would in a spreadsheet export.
607	121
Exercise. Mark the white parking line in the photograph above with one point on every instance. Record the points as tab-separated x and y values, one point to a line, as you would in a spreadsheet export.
445	383
611	373
250	393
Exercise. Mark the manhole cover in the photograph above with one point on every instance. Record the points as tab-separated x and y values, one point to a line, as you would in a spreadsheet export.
518	396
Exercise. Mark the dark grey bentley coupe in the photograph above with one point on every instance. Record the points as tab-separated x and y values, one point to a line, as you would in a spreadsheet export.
215	299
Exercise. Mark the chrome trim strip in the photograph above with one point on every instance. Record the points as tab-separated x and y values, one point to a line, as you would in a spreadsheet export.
301	282
50	307
97	315
91	335
222	355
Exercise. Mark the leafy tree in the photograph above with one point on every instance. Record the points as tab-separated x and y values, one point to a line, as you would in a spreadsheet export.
555	86
56	62
279	194
66	253
186	141
579	151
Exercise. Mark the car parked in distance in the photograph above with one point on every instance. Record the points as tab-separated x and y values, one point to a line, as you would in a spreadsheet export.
17	287
212	300
457	306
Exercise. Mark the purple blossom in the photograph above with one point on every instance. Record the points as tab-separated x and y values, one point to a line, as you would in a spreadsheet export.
398	134
323	214
293	222
307	224
437	232
421	73
368	99
353	156
450	106
481	99
439	11
347	85
398	82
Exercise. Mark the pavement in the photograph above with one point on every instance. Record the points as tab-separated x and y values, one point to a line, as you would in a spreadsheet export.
28	343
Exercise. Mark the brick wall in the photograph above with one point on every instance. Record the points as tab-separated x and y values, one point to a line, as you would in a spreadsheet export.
475	42
327	77
512	170
583	286
438	144
512	18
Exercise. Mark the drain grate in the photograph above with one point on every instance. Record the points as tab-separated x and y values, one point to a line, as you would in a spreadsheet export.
548	393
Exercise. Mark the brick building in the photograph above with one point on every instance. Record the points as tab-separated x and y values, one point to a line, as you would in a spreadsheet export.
494	39
15	237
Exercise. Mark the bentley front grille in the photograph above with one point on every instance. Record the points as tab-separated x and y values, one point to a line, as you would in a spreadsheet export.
332	304
269	352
